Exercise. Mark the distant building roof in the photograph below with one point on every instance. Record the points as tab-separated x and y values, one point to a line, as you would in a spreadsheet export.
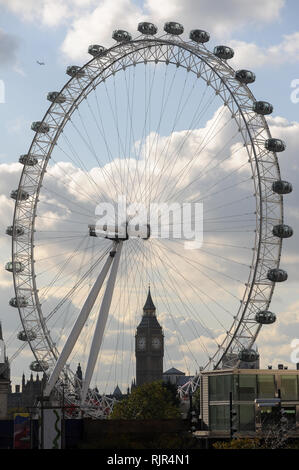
117	392
173	371
182	380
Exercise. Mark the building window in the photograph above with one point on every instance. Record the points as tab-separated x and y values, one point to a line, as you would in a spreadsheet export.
266	386
219	417
247	417
247	387
289	387
220	387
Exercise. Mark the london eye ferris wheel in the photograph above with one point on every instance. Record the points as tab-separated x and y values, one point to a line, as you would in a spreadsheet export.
154	119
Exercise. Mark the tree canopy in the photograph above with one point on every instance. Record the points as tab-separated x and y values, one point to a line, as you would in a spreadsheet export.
149	401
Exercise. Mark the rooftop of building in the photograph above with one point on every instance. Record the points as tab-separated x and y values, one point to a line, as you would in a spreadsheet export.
173	371
250	371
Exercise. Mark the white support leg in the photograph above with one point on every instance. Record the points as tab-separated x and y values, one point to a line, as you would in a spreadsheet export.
80	322
101	323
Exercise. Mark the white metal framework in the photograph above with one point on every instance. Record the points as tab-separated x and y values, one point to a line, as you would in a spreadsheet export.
253	132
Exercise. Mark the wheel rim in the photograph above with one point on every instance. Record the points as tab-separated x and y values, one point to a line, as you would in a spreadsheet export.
264	164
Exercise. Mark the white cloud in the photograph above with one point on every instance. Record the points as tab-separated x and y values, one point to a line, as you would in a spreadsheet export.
97	26
253	56
49	12
218	17
9	45
90	21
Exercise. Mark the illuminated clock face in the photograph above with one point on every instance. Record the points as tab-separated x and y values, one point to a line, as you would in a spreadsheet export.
156	343
141	343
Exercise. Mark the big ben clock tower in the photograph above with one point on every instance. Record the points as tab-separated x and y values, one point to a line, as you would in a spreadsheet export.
149	345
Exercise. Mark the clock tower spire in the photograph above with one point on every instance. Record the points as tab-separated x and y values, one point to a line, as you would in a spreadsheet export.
149	345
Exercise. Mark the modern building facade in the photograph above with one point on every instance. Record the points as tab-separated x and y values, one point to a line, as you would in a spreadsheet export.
257	398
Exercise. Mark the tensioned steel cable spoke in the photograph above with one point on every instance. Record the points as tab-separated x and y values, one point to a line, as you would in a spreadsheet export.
204	173
65	221
64	264
232	173
77	283
239	281
122	146
149	260
196	119
228	245
85	214
159	124
177	117
131	145
79	188
170	285
185	303
157	132
92	150
196	288
76	252
235	201
119	140
81	164
147	102
213	220
101	130
70	276
198	152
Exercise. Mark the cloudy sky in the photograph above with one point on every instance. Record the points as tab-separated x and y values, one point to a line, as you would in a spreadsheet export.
265	40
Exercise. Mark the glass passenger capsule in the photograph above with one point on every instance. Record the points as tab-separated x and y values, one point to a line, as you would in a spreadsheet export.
198	35
18	302
171	27
15	231
23	195
14	266
265	317
56	96
29	336
282	187
92	231
75	71
223	52
282	231
277	275
95	49
248	355
40	127
275	145
245	76
28	160
120	35
262	107
147	28
39	366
